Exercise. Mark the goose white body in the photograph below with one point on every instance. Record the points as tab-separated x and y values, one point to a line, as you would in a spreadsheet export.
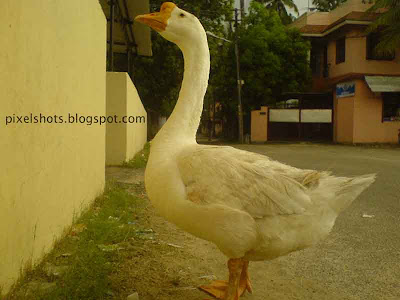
247	204
250	206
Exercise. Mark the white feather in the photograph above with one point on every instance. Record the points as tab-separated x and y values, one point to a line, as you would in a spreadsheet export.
247	204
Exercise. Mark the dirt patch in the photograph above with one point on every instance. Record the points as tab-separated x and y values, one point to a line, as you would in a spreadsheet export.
168	263
125	247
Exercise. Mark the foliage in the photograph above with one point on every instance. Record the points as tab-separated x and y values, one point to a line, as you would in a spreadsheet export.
90	251
140	159
327	5
280	7
388	23
273	60
158	78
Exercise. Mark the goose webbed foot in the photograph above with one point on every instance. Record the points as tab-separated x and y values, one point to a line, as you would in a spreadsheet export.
238	283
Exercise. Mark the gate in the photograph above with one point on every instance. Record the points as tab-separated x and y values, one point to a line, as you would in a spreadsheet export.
312	119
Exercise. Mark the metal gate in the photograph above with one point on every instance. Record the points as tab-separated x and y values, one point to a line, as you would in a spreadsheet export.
311	120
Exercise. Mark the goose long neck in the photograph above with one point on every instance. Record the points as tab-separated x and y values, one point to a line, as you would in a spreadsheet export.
184	121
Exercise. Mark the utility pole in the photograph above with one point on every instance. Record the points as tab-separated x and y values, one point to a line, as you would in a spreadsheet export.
242	9
239	81
212	131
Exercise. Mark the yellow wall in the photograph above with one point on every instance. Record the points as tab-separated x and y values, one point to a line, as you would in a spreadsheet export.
123	141
259	125
53	62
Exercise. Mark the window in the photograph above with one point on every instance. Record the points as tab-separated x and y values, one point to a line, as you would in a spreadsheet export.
373	40
326	65
391	107
319	60
340	50
315	62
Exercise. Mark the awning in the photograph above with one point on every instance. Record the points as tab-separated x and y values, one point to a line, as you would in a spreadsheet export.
132	32
383	83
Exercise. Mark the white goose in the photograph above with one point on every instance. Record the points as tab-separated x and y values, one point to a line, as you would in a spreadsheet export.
251	207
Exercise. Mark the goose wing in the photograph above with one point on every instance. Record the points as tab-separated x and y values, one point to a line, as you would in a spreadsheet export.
243	180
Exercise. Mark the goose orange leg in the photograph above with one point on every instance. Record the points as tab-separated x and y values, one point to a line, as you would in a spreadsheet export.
245	283
238	283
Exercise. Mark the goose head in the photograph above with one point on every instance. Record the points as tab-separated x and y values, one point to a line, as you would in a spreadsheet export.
174	24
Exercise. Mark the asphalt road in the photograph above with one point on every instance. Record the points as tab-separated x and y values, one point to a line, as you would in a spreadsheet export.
361	257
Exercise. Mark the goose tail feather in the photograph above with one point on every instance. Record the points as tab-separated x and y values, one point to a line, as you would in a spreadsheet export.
340	192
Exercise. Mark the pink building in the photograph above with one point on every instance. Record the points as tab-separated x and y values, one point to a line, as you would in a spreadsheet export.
365	85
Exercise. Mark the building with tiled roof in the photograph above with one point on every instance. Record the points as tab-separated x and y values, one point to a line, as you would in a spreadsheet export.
365	85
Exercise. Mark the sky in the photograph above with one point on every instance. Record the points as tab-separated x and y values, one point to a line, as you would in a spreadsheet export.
301	5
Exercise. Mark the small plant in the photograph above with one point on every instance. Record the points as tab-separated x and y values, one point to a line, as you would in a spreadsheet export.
89	253
140	159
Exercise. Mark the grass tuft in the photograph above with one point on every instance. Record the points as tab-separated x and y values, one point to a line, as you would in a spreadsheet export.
90	252
140	159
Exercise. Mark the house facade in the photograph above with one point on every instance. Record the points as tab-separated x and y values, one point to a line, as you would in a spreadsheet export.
365	84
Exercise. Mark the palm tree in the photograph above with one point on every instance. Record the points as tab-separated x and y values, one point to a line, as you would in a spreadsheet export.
280	7
388	23
327	5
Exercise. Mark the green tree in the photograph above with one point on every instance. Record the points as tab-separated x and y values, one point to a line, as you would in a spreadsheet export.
280	7
327	5
388	23
158	78
273	60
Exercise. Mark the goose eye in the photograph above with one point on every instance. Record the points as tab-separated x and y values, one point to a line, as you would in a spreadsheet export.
182	15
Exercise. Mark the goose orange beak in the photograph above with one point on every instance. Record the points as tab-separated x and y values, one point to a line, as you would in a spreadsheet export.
159	20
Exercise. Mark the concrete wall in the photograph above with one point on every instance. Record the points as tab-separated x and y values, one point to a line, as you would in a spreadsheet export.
356	43
356	58
343	119
259	125
347	7
368	125
327	18
358	119
318	18
53	56
124	140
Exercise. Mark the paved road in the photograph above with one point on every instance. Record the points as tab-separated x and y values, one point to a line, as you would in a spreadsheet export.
361	258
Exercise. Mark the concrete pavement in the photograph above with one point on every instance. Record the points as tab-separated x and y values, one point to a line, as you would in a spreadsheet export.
361	258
